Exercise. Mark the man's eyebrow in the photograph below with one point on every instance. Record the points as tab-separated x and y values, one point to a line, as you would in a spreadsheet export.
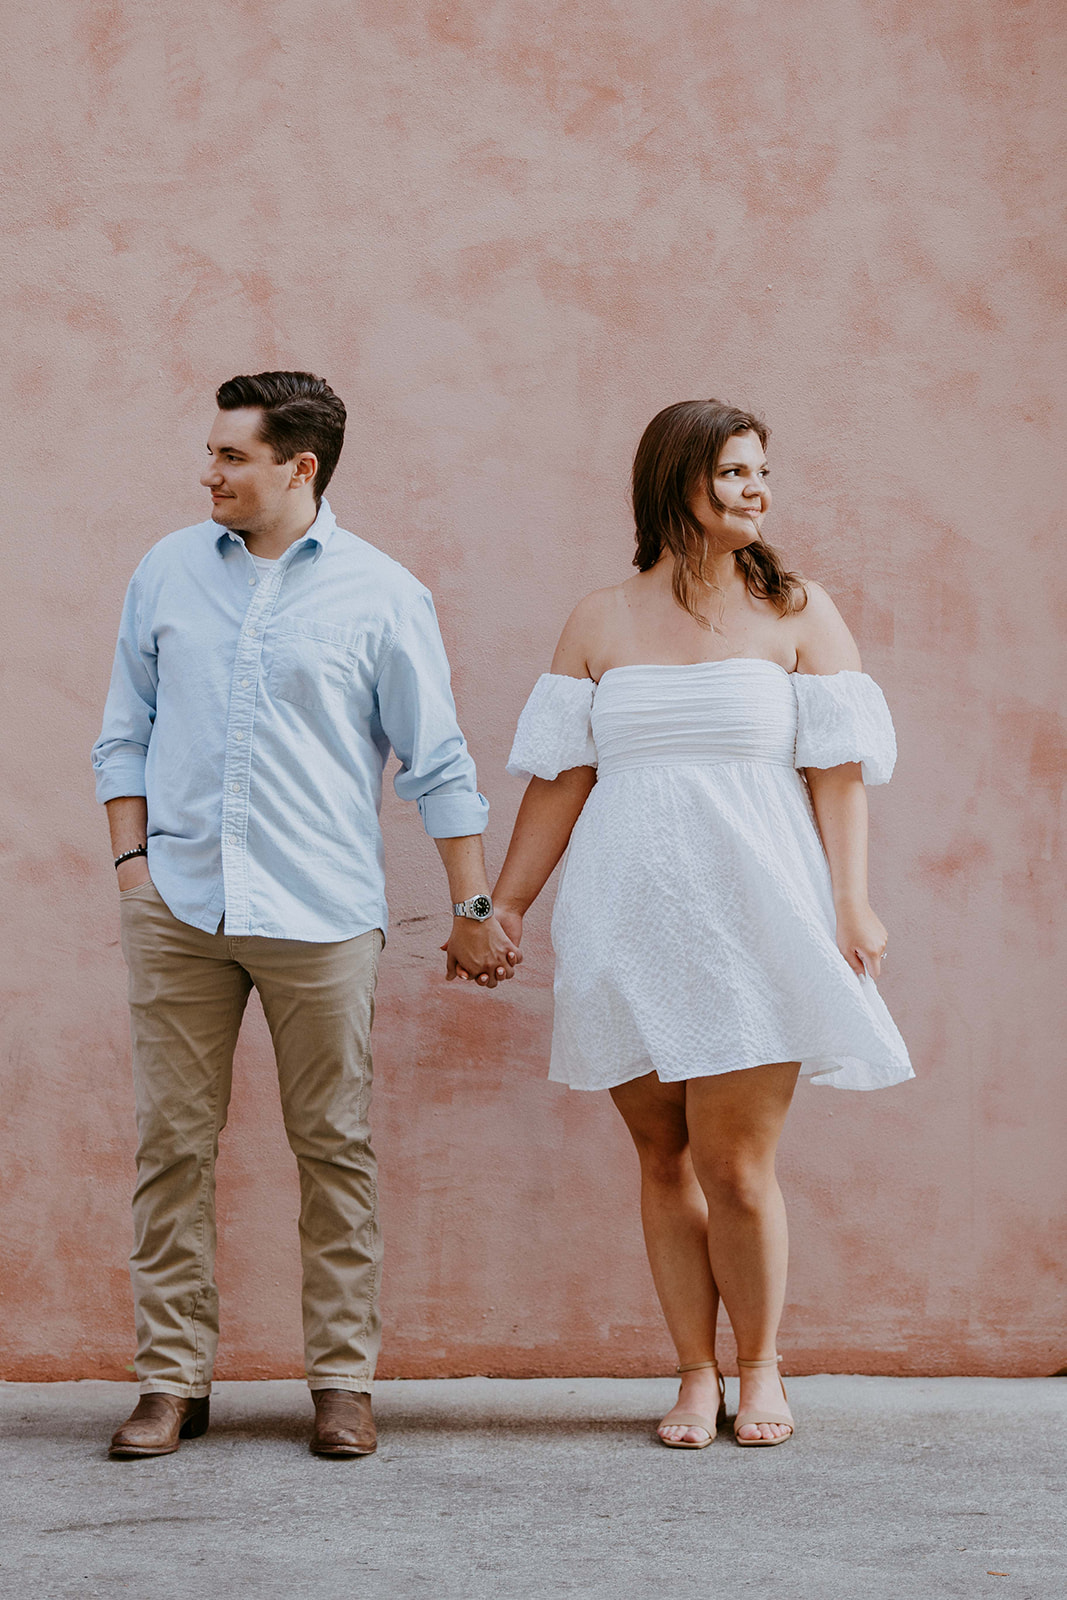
225	450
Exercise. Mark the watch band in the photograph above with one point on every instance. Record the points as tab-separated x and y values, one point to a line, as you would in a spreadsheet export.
479	907
128	855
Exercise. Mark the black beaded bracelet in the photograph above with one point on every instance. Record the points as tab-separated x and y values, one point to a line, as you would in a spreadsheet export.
128	855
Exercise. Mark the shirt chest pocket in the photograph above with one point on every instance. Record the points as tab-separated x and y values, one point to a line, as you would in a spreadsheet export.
312	664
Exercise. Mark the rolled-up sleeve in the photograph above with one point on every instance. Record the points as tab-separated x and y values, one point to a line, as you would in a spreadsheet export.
121	752
418	716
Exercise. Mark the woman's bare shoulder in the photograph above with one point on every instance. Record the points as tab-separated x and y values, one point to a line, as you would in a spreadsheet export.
585	630
824	643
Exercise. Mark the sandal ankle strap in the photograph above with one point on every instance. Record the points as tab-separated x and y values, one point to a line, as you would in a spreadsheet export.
697	1366
768	1361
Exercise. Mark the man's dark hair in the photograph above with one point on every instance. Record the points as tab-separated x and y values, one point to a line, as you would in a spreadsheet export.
300	412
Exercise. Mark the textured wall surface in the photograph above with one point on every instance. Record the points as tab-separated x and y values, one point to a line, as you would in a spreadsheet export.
508	233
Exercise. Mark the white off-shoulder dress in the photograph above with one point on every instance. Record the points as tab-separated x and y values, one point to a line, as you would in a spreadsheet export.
694	925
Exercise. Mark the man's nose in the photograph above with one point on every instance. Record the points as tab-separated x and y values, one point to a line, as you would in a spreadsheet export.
210	476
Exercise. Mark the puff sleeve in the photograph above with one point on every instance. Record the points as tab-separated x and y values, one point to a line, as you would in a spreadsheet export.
555	728
843	717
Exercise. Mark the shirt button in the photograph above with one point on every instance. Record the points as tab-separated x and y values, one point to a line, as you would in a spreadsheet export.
245	682
235	788
251	583
253	633
239	737
232	839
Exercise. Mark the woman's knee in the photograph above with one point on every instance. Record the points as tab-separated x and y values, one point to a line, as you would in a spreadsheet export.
739	1179
664	1157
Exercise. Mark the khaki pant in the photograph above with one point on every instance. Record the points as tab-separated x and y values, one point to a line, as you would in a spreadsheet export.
188	991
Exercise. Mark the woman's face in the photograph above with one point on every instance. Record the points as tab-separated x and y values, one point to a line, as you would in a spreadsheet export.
741	486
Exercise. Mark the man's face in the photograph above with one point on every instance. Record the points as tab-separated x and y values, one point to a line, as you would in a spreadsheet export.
248	487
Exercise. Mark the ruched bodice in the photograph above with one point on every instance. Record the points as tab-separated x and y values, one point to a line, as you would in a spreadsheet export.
708	711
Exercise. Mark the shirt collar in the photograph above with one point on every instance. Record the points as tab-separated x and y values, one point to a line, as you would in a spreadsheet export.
318	535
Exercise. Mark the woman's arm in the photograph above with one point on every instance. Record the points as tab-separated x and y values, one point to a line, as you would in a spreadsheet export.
840	803
825	645
550	807
547	815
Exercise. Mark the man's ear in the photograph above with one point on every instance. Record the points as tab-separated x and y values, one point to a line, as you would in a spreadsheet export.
305	466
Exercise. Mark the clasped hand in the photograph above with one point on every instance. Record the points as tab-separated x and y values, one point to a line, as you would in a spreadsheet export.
482	951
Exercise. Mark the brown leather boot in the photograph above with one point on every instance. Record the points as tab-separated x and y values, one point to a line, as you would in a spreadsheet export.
157	1423
344	1425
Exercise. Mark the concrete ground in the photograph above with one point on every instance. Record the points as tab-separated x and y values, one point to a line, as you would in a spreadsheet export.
489	1489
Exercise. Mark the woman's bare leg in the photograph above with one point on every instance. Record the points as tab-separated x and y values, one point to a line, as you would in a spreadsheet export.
674	1215
735	1120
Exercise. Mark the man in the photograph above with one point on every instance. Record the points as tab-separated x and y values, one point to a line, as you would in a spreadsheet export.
267	661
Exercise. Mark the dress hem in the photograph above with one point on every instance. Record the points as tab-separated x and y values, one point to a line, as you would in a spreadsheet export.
811	1066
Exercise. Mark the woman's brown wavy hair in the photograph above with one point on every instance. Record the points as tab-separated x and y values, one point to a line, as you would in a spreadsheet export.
677	454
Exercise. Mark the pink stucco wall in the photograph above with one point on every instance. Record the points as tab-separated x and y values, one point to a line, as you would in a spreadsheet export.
508	233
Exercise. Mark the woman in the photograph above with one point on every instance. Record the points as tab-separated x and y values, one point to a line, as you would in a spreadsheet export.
712	930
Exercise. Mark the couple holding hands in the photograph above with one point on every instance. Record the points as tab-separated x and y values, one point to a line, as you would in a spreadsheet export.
699	749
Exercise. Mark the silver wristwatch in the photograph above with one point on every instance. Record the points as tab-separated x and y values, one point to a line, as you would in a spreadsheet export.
479	906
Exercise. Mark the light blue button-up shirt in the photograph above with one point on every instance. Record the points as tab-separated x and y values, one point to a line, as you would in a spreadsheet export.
255	709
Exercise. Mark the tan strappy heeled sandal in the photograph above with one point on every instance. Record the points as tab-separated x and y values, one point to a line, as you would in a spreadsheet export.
694	1419
745	1419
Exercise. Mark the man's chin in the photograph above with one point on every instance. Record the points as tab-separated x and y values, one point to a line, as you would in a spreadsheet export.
223	513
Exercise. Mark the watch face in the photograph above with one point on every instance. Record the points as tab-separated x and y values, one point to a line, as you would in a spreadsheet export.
481	905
